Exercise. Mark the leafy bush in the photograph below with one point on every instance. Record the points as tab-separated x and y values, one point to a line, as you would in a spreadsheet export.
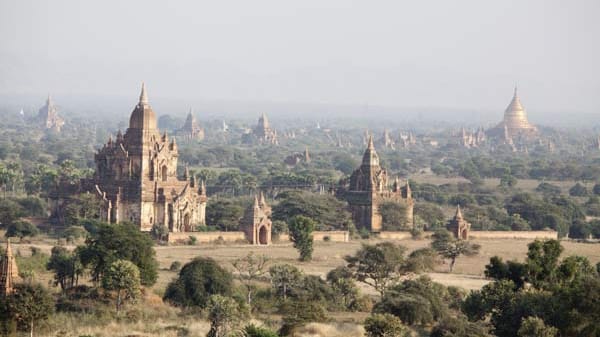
197	281
384	325
21	229
175	266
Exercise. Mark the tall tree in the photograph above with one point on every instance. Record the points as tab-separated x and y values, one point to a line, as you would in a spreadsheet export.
379	265
111	242
66	266
123	277
285	278
301	229
451	248
31	303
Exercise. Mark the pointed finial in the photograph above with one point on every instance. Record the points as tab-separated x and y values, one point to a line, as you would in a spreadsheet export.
255	201
262	200
143	95
458	214
371	145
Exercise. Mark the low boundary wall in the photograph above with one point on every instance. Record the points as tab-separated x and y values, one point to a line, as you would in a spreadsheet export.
526	235
396	235
206	237
530	235
334	236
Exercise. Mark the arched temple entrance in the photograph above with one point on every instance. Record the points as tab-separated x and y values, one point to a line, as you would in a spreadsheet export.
164	173
464	234
187	223
263	236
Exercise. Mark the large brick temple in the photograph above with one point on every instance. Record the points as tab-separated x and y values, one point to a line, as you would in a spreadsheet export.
136	178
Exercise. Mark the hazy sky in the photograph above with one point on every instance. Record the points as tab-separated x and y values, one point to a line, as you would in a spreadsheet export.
455	54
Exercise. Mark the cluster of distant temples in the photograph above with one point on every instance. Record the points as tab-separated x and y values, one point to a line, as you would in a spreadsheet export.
136	178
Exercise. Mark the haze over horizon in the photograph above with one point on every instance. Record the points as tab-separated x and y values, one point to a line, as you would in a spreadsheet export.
464	55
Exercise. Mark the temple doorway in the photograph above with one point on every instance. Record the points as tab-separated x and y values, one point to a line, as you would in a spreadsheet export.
263	236
186	223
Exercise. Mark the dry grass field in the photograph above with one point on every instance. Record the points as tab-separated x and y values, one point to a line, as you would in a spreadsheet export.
157	319
468	272
525	185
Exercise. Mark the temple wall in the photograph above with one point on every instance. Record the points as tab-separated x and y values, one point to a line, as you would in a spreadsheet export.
394	235
530	235
207	237
334	236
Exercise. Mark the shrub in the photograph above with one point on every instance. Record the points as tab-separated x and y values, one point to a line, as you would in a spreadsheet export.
384	325
175	266
21	229
256	331
197	281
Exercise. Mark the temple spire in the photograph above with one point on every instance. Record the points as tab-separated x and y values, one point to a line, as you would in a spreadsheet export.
8	271
370	144
458	215
262	200
256	204
143	95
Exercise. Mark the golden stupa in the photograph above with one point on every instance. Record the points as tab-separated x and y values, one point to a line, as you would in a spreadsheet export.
515	120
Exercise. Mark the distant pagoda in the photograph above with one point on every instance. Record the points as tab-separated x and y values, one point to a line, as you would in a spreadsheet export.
515	121
263	131
48	117
190	129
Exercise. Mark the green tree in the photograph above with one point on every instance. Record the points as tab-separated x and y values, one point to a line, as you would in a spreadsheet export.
451	248
535	327
66	267
224	314
30	303
285	278
326	210
379	265
343	284
123	277
10	211
459	327
578	190
301	229
225	214
542	262
197	281
385	325
419	301
110	242
21	229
